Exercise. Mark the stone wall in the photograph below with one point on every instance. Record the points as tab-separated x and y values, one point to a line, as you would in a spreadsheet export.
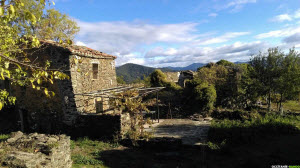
101	126
172	76
37	150
83	81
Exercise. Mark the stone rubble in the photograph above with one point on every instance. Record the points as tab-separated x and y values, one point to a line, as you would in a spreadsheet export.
38	151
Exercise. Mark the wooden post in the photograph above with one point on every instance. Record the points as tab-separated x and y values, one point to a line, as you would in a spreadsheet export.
157	106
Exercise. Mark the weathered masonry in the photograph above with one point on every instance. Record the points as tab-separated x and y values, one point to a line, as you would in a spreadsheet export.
89	71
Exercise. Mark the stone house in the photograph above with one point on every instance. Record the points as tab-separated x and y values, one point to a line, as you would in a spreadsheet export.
89	71
185	75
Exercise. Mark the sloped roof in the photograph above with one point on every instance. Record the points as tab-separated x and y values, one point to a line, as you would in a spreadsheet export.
79	50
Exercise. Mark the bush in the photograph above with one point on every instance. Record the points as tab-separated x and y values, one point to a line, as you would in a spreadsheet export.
4	137
80	159
206	96
243	131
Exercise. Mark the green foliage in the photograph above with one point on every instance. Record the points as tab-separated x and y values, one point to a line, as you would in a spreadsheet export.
275	71
4	137
206	96
130	102
50	24
237	131
120	80
214	74
57	26
86	160
159	79
19	24
86	143
293	106
147	81
5	99
87	152
225	63
131	72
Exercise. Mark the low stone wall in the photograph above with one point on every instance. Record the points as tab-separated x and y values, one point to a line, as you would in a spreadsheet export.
37	150
100	126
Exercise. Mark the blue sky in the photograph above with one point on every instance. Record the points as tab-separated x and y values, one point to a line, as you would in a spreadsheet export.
180	32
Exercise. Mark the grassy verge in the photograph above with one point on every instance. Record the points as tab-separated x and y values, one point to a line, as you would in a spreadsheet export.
86	152
3	137
293	106
290	105
257	142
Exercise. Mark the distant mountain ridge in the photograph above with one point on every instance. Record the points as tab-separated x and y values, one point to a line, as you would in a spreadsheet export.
192	67
131	72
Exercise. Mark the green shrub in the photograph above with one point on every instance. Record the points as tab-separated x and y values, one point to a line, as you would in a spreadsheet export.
206	96
4	137
239	131
80	159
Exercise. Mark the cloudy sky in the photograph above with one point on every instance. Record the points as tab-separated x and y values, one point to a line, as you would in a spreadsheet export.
162	33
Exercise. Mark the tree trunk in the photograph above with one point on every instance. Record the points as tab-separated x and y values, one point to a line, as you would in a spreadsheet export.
280	106
269	101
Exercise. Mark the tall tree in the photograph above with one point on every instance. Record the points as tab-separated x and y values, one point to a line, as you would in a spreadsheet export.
14	39
50	25
266	70
288	84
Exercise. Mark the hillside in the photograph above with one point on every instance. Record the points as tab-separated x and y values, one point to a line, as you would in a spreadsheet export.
131	72
192	67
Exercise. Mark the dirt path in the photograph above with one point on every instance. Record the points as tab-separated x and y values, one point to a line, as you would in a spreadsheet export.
189	131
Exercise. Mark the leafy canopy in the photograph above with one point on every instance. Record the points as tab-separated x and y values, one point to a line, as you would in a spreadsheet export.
20	24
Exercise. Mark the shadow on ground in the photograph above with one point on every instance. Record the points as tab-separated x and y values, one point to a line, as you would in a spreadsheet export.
249	149
152	158
261	145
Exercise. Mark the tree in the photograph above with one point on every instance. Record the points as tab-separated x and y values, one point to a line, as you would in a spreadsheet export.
51	25
225	63
206	96
15	66
267	70
56	26
120	80
130	102
288	84
159	79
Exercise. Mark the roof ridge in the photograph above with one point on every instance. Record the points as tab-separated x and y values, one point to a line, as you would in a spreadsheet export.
82	50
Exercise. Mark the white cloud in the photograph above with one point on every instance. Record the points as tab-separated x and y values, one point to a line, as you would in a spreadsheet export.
279	33
125	36
286	17
80	43
282	18
223	38
129	41
190	54
297	14
237	5
213	14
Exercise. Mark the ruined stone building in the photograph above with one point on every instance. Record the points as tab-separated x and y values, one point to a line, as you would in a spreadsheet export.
185	75
82	105
89	71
